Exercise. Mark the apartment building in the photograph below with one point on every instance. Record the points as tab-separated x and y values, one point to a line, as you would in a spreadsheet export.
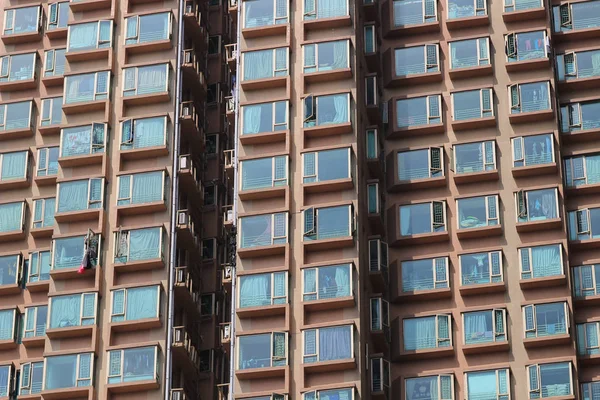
112	191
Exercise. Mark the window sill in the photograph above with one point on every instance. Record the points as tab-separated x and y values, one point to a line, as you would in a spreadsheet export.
327	23
485	348
142	265
423	238
145	208
395	132
16	133
328	130
85	106
472	177
264	137
422	295
68	393
396	185
534	170
134	325
148	47
8	344
328	244
51	81
479	233
145	152
72	273
581	135
12	236
537	226
336	185
398	81
80	215
328	76
329	304
263	251
533	116
58	33
266	83
44	232
524	15
527	65
547	281
587	300
391	31
583	189
33	342
580	83
474	123
130	387
470	72
85	55
143	99
576	35
40	286
88	5
427	353
71	332
547	341
13	86
81	160
586	244
482	288
28	37
588	359
45	180
15	184
265	193
262	311
467	22
50	129
329	366
11	288
261	373
263	31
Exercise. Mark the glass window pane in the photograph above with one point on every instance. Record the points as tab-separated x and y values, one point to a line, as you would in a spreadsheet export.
408	12
258	13
335	343
17	115
411	112
83	36
467	105
333	222
410	61
68	252
530	45
61	372
483	385
424	388
153	27
479	328
255	290
10	217
555	380
257	173
415	219
257	118
464	54
254	351
419	333
462	9
139	364
26	20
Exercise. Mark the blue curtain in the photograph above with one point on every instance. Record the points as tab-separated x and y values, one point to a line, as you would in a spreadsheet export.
13	165
335	343
61	372
76	141
138	364
331	8
68	252
482	385
310	284
419	333
6	326
255	290
149	132
152	79
332	109
83	36
258	118
546	261
144	244
147	187
73	196
478	327
142	303
65	311
258	64
10	217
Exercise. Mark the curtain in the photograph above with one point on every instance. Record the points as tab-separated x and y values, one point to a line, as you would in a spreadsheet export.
546	261
342	281
340	103
335	343
10	216
17	115
80	88
549	204
258	64
256	231
482	385
73	196
147	187
477	329
4	381
144	244
142	303
152	79
138	364
149	132
310	284
592	164
6	327
340	54
252	118
331	8
65	311
13	165
419	333
61	372
255	290
83	36
405	221
76	141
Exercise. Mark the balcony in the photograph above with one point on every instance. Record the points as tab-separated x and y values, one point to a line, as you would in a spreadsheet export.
231	55
151	34
97	44
191	125
185	351
146	84
192	72
89	5
190	179
186	230
22	25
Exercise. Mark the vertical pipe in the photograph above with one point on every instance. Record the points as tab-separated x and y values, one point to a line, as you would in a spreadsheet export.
174	204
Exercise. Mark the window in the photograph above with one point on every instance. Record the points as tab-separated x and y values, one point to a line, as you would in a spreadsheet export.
263	230
39	266
328	344
32	377
469	53
487	326
83	140
148	28
421	218
373	148
9	327
576	16
589	390
133	364
87	87
135	303
521	5
474	157
148	79
51	111
426	274
263	64
264	117
580	116
380	376
6	380
69	252
577	65
141	133
370	39
378	256
550	380
10	269
318	9
584	280
85	194
58	15
439	387
529	97
328	222
420	164
18	67
327	165
491	384
14	165
414	12
90	36
43	212
326	56
258	13
141	188
466	8
526	46
264	173
73	310
419	111
208	248
22	20
139	244
211	145
546	319
259	290
327	282
208	306
35	321
472	104
326	110
262	350
481	268
371	91
214	44
345	394
54	62
47	164
380	314
584	224
213	94
210	194
417	60
373	198
427	332
533	150
587	340
68	371
12	217
541	261
16	115
581	170
536	205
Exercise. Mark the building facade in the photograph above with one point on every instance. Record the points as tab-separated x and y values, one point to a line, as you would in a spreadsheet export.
112	196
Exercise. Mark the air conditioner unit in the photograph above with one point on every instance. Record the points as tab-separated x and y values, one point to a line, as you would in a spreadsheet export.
182	218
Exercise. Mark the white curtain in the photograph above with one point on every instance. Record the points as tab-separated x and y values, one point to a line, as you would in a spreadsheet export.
10	216
83	36
73	196
335	343
419	333
331	8
477	329
255	290
147	187
252	118
13	165
258	64
65	311
482	385
546	261
142	303
149	132
6	330
152	79
144	244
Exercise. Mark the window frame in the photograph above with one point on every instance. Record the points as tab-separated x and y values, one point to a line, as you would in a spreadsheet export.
52	69
317	355
90	201
476	8
382	305
314	107
273	297
482	110
271	344
538	387
519	105
477	49
499	395
534	329
99	41
436	317
125	294
495	332
483	158
50	101
117	239
109	375
35	221
4	108
39	267
315	212
9	57
275	18
529	249
81	311
83	237
522	198
383	366
29	378
431	213
28	311
436	282
135	70
521	139
137	28
132	123
438	377
14	15
274	64
130	194
515	37
77	369
316	51
490	267
317	293
54	24
316	167
93	145
274	180
96	93
382	249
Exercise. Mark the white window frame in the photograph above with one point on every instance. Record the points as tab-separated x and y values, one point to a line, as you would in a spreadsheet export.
275	18
126	233
515	38
538	387
53	67
274	63
385	383
578	270
477	49
23	385
483	158
429	158
26	169
439	383
316	155
274	122
316	51
83	237
14	15
317	355
518	87
273	297
122	357
315	107
273	170
9	57
437	330
271	356
137	27
377	198
533	307
531	266
315	211
30	274
40	221
96	92
125	294
475	9
382	249
81	316
374	42
483	112
44	166
135	70
130	196
4	107
88	194
524	194
433	223
132	122
496	371
33	310
316	393
50	101
56	22
317	274
93	145
521	139
98	41
437	284
585	335
314	13
487	210
493	311
489	257
381	305
273	237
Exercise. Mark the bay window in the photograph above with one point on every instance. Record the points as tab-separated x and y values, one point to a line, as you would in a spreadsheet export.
526	46
472	104
262	13
327	165
9	326
414	12
537	205
259	290
39	266
541	261
327	282
326	110
83	140
586	280
262	173
47	164
263	64
148	28
90	36
380	314
141	133
133	365
427	332
426	274
589	390
262	350
423	218
478	212
576	16
420	164
54	62
135	303
328	222
87	87
438	387
546	319
326	56
51	111
578	65
378	256
529	97
580	116
469	53
148	79
79	195
12	216
18	67
466	8
58	15
380	376
43	212
533	150
73	310
581	170
587	339
320	9
521	5
68	371
16	115
417	60
10	269
342	394
141	188
264	117
68	252
490	384
328	344
139	244
474	157
550	380
419	111
486	326
22	20
32	378
14	165
481	268
35	321
263	230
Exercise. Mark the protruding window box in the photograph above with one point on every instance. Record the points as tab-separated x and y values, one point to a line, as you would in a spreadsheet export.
575	70
401	17
318	296
546	324
19	72
142	193
473	109
146	84
144	138
22	25
415	116
139	249
11	268
481	273
438	343
51	116
583	228
580	176
264	178
325	14
16	120
261	235
263	355
416	169
327	115
89	5
489	333
533	155
135	308
263	18
328	227
58	16
69	253
83	145
42	224
54	67
272	301
424	279
35	322
133	369
277	29
76	100
327	170
411	65
475	162
575	21
541	266
327	61
523	57
466	14
419	223
469	58
530	102
13	221
523	10
467	22
273	125
72	315
478	217
148	32
256	76
89	41
537	210
79	200
317	358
